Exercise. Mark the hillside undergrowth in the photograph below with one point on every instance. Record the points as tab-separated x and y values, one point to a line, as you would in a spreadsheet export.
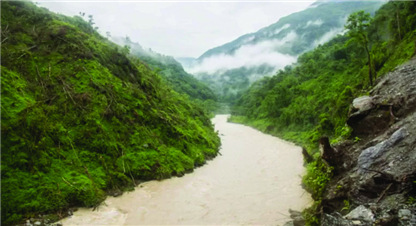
312	98
80	117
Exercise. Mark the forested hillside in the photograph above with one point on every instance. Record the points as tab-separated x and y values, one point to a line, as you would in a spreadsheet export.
233	67
171	70
311	98
80	116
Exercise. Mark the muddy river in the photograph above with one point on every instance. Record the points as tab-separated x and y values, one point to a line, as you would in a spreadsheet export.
254	181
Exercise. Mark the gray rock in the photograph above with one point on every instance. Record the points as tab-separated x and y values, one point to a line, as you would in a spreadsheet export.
367	157
361	213
299	221
405	214
38	223
363	103
294	213
335	219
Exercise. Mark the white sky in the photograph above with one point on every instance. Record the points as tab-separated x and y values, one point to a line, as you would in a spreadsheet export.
180	29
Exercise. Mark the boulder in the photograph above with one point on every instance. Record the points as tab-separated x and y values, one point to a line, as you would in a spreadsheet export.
405	214
361	213
334	219
368	156
369	122
363	103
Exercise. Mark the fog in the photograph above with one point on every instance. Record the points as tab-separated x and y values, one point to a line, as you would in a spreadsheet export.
328	36
318	23
250	55
179	29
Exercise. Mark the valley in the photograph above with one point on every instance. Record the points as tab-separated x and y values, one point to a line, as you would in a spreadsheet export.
307	121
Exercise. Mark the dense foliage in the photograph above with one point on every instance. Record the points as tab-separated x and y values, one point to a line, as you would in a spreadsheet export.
171	70
81	117
311	98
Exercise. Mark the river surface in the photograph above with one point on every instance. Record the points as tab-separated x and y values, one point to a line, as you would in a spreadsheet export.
254	181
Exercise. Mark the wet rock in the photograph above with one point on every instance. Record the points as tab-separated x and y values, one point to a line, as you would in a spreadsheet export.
405	214
335	219
299	221
363	103
367	157
297	218
386	220
361	213
368	122
377	173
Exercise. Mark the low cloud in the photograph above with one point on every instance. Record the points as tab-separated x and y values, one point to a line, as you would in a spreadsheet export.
332	33
317	23
249	56
277	31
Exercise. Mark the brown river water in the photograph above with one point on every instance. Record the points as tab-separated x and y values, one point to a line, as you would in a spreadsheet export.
254	181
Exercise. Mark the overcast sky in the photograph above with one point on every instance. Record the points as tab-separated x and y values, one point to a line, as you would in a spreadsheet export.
180	29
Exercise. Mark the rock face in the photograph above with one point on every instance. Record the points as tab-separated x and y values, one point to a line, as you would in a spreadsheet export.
376	176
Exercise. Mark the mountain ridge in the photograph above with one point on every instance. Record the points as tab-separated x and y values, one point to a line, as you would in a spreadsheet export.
272	47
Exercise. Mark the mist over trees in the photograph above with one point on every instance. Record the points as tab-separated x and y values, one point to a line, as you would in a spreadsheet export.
232	67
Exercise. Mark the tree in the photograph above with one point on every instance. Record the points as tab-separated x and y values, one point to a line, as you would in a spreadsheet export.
91	20
108	34
357	25
126	49
396	6
128	40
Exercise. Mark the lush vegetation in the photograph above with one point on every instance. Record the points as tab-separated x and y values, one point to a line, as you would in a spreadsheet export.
306	30
80	116
171	70
311	98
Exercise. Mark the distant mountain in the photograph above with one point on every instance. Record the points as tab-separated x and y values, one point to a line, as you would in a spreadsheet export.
187	61
170	69
232	67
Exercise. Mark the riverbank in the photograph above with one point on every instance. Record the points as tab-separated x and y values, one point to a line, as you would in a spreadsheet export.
255	181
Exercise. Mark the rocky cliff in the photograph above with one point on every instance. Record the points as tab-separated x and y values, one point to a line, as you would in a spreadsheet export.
374	180
374	176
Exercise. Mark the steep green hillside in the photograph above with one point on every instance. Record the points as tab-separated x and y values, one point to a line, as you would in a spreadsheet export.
311	24
311	98
271	48
81	117
170	69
